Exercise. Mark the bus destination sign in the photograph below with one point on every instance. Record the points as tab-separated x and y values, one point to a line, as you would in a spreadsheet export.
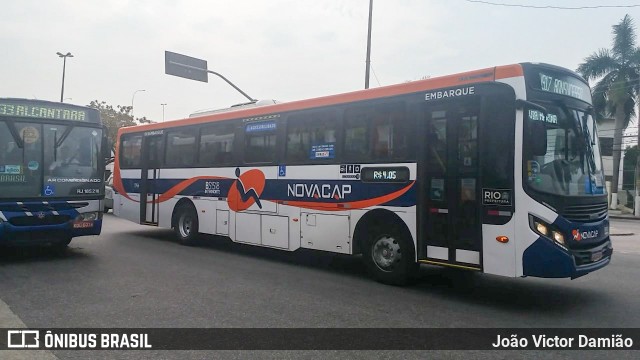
42	111
563	85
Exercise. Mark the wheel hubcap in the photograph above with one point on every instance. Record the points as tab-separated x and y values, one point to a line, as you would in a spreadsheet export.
386	253
184	225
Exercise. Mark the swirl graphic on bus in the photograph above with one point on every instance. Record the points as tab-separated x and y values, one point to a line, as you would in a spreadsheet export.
246	190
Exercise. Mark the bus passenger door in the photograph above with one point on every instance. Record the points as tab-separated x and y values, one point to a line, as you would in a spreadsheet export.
449	218
151	155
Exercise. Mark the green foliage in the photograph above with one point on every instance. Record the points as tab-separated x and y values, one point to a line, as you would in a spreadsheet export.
617	75
115	118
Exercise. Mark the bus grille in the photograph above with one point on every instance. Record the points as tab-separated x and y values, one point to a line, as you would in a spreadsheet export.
586	213
582	257
35	221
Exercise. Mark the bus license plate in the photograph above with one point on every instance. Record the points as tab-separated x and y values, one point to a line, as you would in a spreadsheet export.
83	224
596	256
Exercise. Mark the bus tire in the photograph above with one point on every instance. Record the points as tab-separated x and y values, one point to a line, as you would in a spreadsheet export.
389	256
186	226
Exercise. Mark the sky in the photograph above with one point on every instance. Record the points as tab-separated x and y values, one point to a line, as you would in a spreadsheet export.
277	49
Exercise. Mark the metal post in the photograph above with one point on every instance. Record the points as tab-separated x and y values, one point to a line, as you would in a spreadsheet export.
366	77
214	73
64	67
163	105
235	87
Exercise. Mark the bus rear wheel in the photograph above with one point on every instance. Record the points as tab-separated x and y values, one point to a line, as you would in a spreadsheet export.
389	256
186	225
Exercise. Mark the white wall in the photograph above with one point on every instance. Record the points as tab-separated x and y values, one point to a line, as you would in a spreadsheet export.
605	129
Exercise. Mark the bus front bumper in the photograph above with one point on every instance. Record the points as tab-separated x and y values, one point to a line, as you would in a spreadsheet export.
548	260
45	234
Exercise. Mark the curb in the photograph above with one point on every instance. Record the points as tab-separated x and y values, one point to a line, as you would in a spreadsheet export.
623	217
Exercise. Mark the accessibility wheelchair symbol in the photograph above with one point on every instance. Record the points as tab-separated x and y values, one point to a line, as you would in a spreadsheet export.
49	190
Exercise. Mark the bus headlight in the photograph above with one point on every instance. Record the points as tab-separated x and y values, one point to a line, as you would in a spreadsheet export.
558	237
89	216
542	228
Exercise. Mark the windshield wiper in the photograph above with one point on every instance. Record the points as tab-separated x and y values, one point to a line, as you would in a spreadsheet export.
66	133
15	134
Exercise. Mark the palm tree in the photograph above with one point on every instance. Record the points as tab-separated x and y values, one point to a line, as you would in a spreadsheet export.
617	72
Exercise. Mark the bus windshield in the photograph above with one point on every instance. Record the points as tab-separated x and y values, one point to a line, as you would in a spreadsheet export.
49	160
572	165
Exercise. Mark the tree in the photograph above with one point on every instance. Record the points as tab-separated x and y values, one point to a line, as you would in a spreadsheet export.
617	72
116	118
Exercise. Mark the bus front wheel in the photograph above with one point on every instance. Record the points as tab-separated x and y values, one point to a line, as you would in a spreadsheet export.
186	226
389	256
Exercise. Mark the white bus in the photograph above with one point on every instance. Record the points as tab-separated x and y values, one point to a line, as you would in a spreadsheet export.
496	170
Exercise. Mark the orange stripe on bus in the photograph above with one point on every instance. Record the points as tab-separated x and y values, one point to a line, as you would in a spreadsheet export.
509	71
476	76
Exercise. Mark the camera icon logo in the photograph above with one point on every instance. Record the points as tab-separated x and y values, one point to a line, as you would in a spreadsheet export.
23	339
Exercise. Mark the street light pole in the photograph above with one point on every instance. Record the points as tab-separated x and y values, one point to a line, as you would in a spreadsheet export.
132	98
64	66
163	105
366	76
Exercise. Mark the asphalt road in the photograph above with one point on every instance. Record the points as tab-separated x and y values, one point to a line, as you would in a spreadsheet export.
135	276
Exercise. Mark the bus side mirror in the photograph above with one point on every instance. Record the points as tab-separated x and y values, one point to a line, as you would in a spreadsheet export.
538	138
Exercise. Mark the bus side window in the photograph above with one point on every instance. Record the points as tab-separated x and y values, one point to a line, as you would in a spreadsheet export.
311	137
389	135
296	139
181	148
378	133
356	147
130	147
216	145
260	142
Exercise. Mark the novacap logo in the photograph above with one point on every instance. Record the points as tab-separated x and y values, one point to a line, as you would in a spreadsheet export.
590	234
246	190
576	235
